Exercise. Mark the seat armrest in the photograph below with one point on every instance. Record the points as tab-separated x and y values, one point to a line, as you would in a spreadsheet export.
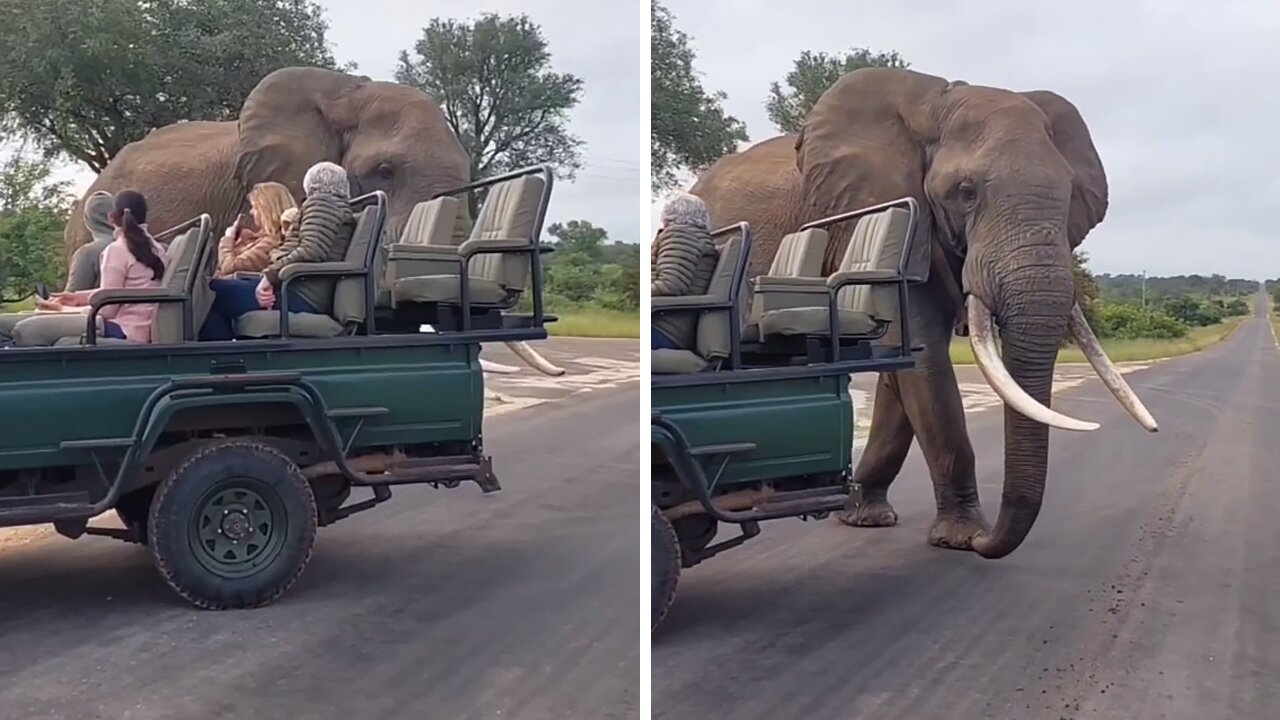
864	277
767	283
296	270
243	275
492	245
409	251
123	295
687	302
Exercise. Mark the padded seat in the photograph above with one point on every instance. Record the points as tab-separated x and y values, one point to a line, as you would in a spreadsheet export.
445	288
430	224
497	252
266	323
799	255
672	362
813	321
348	292
798	305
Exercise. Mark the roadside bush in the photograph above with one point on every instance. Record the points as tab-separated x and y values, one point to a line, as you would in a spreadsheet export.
1130	322
1193	311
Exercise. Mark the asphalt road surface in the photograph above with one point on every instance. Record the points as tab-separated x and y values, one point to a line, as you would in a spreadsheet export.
1150	587
442	604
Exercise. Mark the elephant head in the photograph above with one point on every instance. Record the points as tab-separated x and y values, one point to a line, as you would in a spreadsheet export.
387	136
1009	183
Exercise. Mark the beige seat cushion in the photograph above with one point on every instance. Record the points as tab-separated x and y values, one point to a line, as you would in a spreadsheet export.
672	362
813	321
431	222
9	320
800	254
45	329
447	289
266	323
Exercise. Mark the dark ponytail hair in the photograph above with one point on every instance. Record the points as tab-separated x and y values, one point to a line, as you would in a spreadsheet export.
130	214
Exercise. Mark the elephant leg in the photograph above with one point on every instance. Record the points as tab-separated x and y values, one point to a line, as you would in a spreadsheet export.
932	403
888	443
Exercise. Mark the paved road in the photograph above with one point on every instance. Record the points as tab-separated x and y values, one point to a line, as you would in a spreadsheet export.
441	604
1150	588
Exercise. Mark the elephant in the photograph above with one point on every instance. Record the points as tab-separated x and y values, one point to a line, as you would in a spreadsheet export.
1008	184
387	136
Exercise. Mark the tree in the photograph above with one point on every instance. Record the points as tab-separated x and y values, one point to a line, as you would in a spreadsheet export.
494	80
811	75
689	126
87	77
574	271
1086	286
580	237
33	215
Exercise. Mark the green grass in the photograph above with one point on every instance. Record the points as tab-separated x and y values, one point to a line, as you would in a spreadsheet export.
594	322
1130	350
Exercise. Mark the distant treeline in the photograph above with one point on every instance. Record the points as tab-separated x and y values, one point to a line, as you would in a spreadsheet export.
1128	288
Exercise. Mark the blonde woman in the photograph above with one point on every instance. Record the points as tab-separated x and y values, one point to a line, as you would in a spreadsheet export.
247	247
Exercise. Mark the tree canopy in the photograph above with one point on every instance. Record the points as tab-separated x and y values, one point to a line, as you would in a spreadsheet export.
87	77
812	73
494	80
690	128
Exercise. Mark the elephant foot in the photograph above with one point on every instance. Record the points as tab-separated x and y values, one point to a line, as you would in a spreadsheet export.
872	511
955	529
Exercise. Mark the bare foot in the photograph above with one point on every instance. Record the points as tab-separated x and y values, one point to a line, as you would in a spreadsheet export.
956	529
870	512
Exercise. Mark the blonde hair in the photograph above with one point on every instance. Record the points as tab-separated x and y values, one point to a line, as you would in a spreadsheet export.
272	200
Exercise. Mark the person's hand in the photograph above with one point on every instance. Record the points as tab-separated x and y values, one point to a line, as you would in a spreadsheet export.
50	305
65	299
265	294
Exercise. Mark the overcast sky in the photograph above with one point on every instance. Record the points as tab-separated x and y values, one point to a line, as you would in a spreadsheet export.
597	41
1180	96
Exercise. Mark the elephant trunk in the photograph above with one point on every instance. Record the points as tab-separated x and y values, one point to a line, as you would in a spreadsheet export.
1034	305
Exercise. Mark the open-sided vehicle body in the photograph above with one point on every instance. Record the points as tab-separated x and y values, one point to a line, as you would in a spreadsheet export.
759	425
224	457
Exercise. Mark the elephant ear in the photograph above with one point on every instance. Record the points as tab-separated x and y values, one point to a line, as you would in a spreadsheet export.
865	142
1071	136
293	119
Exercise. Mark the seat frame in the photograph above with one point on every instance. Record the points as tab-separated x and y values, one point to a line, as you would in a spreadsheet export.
439	313
817	360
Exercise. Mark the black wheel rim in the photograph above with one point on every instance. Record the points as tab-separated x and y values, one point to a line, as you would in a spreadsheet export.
238	528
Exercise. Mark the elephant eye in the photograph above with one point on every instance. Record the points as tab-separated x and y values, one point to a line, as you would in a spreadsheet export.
966	193
384	171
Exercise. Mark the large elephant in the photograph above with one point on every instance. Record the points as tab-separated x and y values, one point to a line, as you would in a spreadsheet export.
387	136
1008	184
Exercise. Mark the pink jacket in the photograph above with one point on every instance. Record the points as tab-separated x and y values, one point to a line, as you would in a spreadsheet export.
121	270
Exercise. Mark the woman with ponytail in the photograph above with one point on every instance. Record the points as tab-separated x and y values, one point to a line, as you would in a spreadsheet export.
133	261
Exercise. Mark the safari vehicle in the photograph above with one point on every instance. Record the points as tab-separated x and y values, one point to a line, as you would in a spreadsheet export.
224	457
757	424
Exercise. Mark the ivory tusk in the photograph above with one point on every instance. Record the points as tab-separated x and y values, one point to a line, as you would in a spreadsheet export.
1107	371
497	368
534	359
982	339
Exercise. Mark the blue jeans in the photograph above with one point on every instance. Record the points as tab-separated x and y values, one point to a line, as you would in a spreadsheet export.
661	341
112	330
234	297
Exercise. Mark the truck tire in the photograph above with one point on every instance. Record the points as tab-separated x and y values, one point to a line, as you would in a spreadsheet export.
665	567
233	525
